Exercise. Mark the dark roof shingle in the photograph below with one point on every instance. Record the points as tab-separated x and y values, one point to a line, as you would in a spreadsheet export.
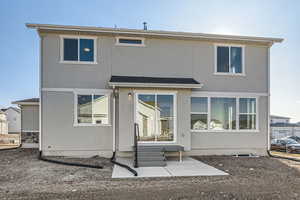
158	80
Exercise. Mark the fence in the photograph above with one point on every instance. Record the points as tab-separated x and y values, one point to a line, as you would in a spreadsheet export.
280	132
9	139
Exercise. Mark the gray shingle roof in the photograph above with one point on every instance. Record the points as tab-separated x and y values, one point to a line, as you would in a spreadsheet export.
142	79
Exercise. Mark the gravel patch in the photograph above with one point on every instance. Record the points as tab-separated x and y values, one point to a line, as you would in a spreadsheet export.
23	176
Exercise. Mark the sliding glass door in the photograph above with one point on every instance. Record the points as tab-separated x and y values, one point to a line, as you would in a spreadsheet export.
155	114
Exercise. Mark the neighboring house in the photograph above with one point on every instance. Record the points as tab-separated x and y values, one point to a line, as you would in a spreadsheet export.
279	119
29	121
205	92
281	127
3	123
14	119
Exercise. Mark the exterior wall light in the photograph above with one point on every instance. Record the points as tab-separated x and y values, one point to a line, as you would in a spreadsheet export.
129	96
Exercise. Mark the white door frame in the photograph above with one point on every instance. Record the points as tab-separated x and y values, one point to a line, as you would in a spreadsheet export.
156	92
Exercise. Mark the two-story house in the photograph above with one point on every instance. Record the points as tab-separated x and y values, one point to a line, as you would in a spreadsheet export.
207	93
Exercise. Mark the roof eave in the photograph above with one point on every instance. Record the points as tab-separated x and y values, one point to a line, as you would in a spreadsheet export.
154	33
155	85
25	103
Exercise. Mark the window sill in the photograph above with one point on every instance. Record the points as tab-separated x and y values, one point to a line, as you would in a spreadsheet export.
78	62
90	125
226	131
229	74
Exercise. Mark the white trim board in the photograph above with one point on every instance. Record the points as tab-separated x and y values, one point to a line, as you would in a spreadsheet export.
227	94
76	90
31	131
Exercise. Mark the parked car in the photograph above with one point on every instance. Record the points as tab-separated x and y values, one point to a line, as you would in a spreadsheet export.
285	144
296	138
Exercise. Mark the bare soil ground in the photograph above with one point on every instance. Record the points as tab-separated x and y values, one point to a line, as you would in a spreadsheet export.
23	176
284	154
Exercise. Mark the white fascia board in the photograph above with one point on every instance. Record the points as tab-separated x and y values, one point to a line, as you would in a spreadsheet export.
153	33
26	103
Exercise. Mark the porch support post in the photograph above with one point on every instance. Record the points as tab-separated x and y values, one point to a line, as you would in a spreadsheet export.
180	156
114	119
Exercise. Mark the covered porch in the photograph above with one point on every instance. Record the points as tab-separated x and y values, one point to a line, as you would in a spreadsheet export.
159	106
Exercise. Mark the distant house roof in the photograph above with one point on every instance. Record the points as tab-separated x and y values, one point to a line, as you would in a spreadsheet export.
14	108
285	125
142	81
279	117
32	101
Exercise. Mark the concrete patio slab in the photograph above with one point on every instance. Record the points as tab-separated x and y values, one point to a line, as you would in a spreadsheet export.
188	167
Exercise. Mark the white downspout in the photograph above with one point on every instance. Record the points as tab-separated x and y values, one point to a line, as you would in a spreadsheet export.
40	94
114	119
269	95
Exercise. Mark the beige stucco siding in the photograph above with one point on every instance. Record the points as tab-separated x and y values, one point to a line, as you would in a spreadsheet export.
59	132
161	58
30	118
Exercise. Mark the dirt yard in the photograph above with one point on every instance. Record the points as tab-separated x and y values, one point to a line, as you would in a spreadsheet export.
23	176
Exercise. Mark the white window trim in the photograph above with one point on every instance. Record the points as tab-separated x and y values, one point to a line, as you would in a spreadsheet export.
138	92
230	95
255	113
216	57
62	37
130	38
89	92
203	113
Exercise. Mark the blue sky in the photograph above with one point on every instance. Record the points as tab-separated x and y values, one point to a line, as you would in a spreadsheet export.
273	18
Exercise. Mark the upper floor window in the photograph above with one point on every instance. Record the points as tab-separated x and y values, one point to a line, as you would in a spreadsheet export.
130	41
78	49
229	60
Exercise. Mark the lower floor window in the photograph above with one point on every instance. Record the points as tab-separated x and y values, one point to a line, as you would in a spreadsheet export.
92	109
223	113
247	115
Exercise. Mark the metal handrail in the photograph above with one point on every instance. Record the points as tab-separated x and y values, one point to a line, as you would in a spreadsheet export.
136	135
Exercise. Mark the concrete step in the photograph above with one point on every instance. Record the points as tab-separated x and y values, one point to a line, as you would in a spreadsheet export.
150	148
151	158
150	153
152	163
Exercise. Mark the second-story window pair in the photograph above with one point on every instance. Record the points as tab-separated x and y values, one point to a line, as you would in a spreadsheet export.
229	59
77	49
